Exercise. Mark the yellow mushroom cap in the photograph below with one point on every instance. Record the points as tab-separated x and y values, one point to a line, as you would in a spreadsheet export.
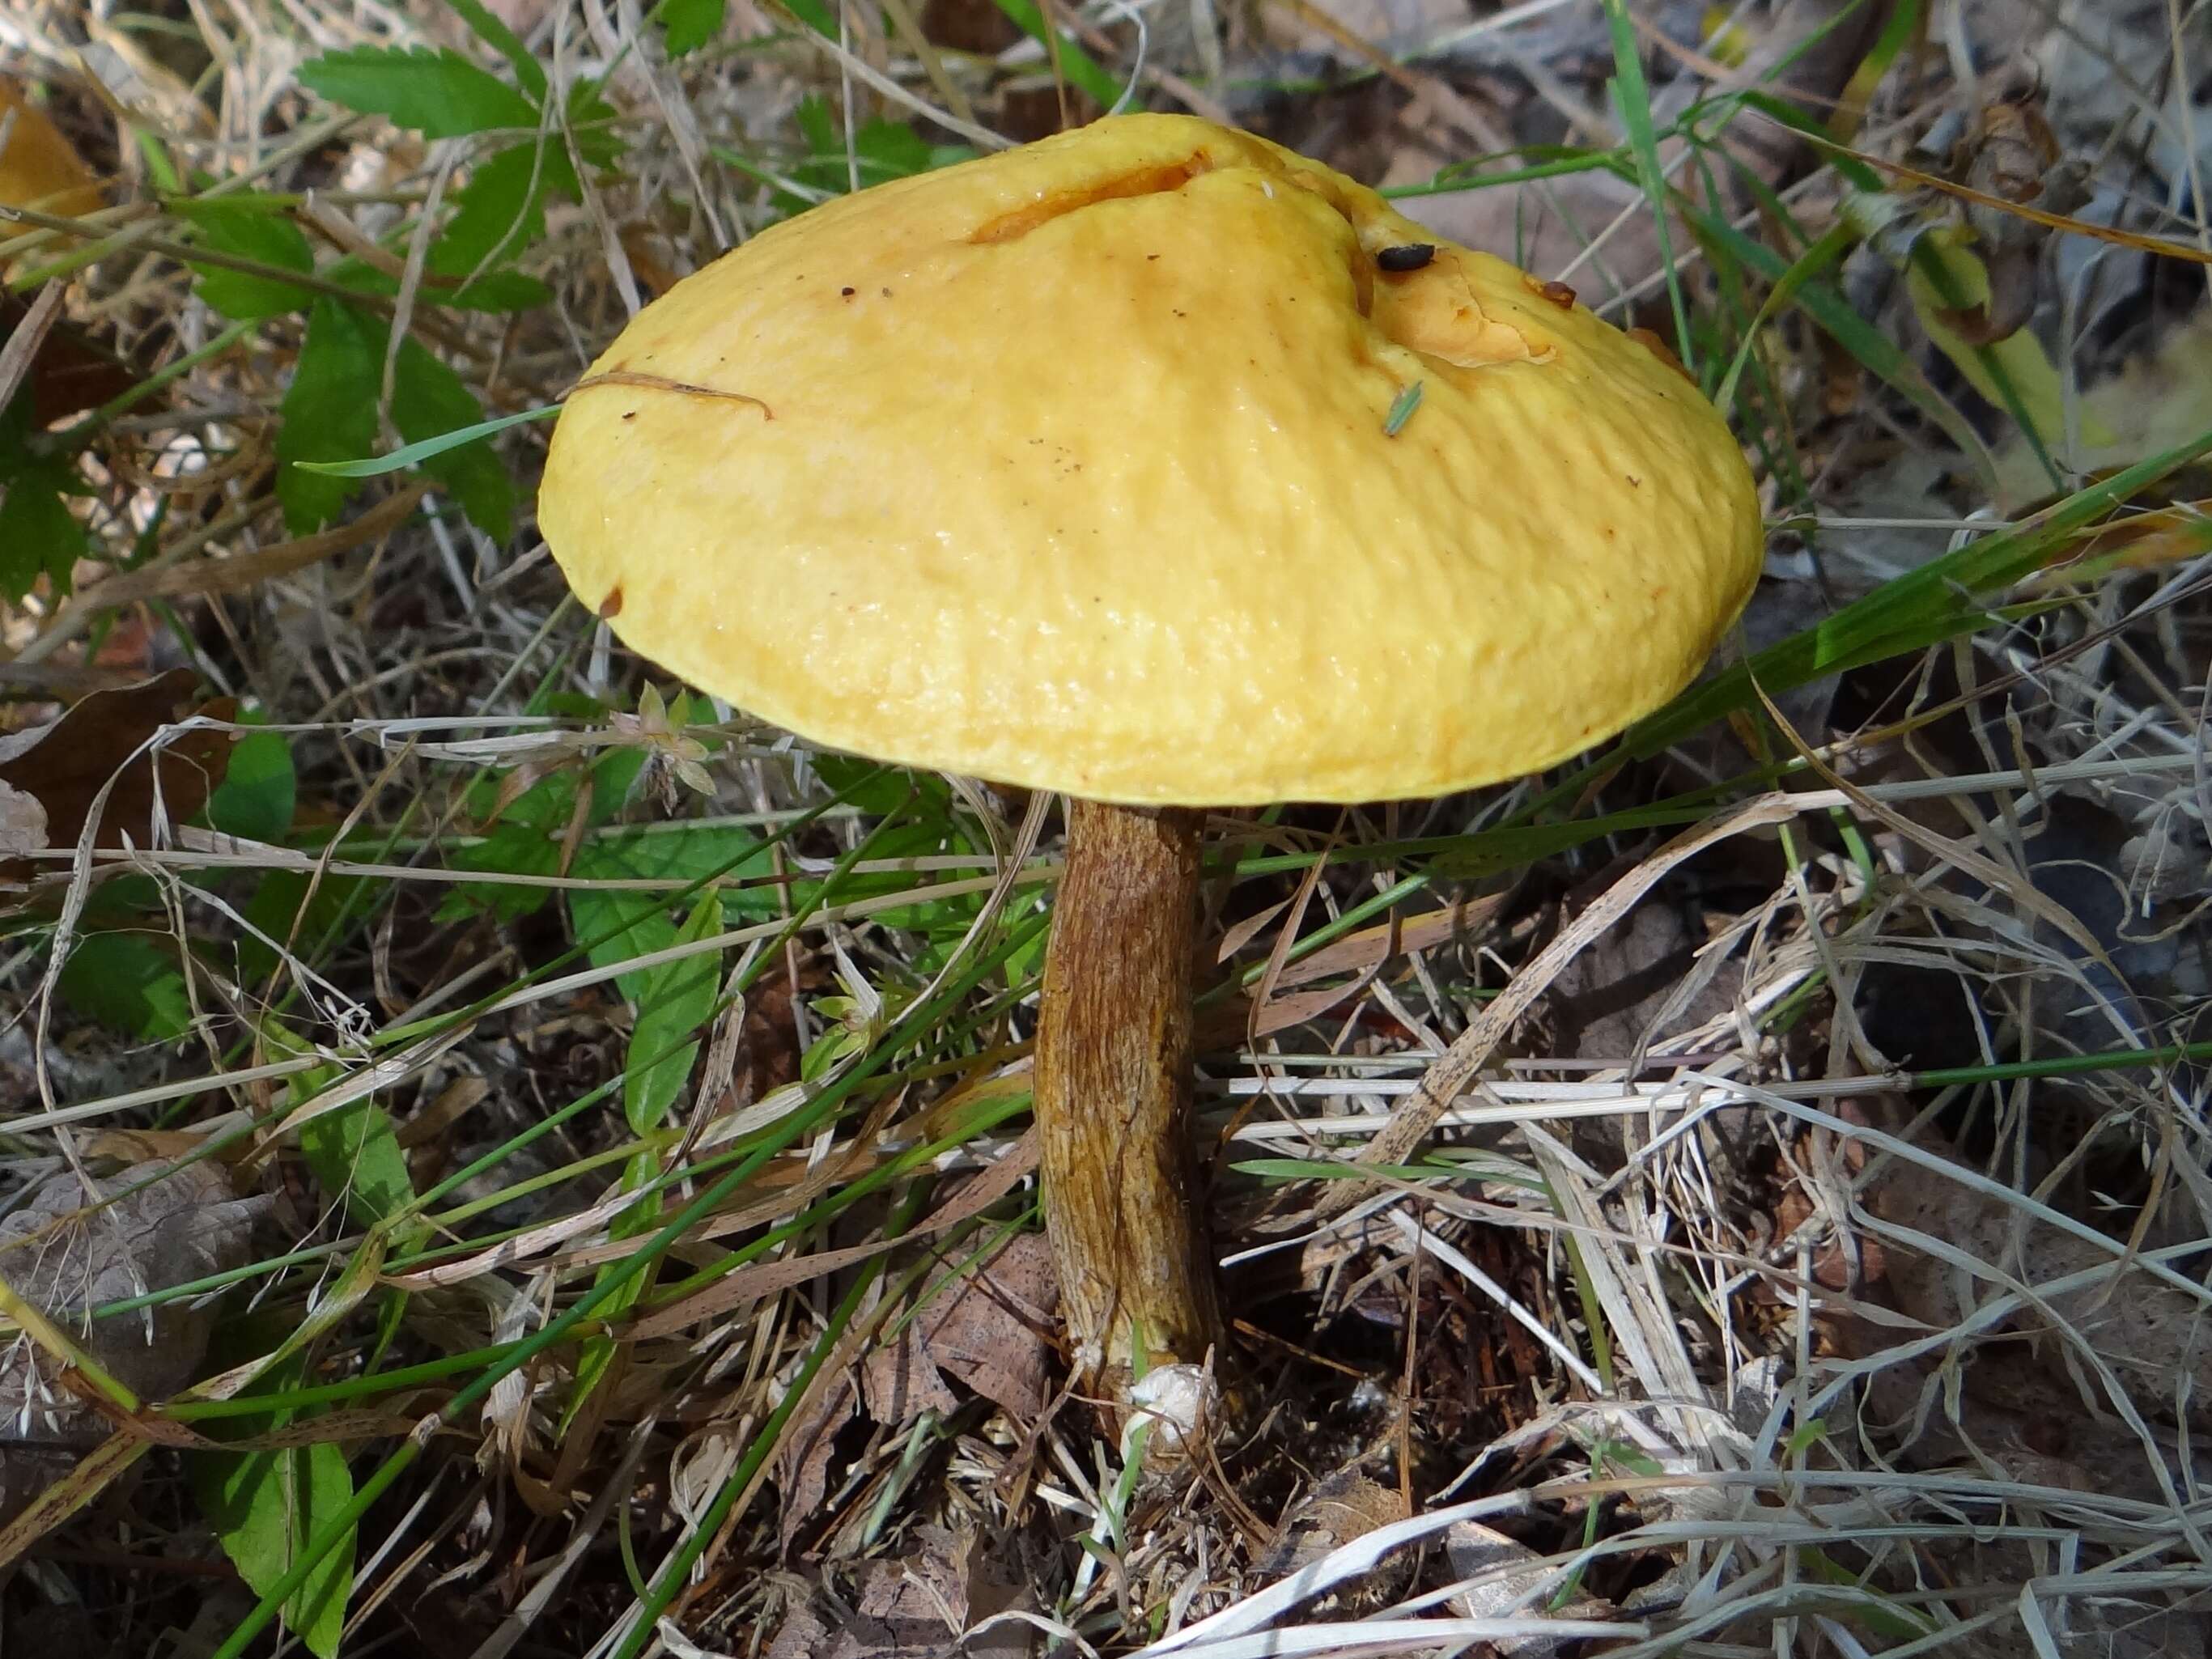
1072	467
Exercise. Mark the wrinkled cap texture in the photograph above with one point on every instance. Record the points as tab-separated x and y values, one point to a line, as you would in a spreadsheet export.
1071	468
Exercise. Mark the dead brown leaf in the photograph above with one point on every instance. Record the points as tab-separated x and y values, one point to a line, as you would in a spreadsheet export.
65	1251
760	1278
145	1146
988	1328
68	371
22	821
39	166
1345	1506
919	1606
1503	1578
64	766
802	1461
41	1486
246	570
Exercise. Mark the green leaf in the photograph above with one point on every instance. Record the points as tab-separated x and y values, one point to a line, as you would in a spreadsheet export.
671	1002
493	32
882	150
130	981
591	125
428	401
695	853
597	1355
353	1149
619	928
257	795
509	848
1077	64
250	230
287	906
879	790
266	1505
38	535
691	23
501	210
617	925
527	839
495	290
674	1000
329	411
440	94
354	1153
295	909
329	415
815	15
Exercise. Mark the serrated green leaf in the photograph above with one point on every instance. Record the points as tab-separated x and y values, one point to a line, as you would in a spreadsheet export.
130	981
814	14
591	123
257	795
490	29
428	400
501	210
266	1505
250	230
329	415
440	94
38	535
329	412
881	150
691	23
17	422
1078	65
674	1000
497	290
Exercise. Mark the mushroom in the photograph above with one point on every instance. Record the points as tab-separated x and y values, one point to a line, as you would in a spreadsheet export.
1156	465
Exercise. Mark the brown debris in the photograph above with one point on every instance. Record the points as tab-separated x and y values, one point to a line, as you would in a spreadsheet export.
989	1327
63	767
67	1251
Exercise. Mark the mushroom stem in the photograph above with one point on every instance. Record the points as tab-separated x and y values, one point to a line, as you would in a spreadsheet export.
1113	1094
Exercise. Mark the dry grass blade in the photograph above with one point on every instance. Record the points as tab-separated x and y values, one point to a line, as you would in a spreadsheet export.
1453	1071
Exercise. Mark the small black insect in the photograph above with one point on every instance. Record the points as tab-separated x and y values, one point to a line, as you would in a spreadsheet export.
1407	256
